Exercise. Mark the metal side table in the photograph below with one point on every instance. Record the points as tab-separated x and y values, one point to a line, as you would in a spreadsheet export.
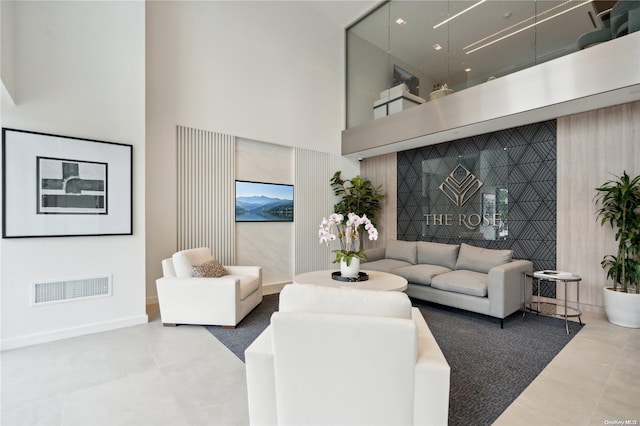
554	309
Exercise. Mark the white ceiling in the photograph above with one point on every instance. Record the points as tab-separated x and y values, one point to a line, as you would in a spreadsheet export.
344	12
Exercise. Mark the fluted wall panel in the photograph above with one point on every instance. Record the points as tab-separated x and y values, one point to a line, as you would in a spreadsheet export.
206	179
311	203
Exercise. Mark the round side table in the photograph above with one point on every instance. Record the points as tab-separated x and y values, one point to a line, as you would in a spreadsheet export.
554	309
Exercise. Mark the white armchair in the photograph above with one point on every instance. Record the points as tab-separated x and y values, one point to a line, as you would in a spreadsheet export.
225	301
335	356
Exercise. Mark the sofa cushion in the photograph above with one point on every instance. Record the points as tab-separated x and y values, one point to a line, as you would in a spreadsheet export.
401	250
185	259
346	301
481	259
438	254
210	269
420	274
462	281
384	265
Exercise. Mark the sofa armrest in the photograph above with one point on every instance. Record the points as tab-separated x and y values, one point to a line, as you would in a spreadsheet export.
261	380
505	287
374	254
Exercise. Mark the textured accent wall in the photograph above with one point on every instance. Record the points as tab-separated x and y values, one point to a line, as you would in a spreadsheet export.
206	179
382	171
592	148
311	203
531	184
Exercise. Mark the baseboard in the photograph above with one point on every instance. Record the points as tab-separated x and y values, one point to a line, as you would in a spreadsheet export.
35	339
273	288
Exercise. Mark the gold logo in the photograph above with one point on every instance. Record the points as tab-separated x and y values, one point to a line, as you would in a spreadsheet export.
460	185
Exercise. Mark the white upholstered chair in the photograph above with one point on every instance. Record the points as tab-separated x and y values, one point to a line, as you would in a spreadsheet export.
225	301
335	356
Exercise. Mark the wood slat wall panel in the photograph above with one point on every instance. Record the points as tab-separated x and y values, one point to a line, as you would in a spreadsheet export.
592	147
311	204
383	170
206	204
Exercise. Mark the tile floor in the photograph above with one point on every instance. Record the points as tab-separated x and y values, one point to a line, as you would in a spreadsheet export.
152	375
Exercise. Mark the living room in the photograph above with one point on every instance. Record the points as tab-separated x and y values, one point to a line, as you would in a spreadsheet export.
269	73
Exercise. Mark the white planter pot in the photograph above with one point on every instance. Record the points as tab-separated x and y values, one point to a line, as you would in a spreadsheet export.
622	308
352	270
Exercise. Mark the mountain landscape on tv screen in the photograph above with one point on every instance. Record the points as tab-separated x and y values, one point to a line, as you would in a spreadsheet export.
263	209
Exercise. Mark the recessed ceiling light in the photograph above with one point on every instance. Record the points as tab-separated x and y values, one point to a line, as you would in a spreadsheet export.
467	69
437	46
400	21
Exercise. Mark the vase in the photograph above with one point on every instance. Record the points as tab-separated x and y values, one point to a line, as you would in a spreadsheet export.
352	270
622	308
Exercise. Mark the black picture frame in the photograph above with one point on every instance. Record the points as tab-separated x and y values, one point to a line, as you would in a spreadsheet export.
63	186
263	202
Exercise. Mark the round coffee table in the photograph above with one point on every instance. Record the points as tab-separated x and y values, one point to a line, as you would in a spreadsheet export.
377	281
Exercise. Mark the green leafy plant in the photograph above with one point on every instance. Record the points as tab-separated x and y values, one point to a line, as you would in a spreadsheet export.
620	207
358	196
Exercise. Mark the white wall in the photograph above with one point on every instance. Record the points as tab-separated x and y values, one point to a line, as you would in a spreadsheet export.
7	45
79	71
264	71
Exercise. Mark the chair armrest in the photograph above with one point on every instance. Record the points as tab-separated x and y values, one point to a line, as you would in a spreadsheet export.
199	300
432	378
505	287
255	271
261	380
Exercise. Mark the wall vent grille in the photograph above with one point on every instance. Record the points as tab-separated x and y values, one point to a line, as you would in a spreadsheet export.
56	291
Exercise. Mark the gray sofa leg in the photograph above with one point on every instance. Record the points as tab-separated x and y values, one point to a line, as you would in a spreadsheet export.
502	323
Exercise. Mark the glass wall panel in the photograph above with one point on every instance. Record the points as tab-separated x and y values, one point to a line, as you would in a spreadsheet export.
406	53
466	196
367	64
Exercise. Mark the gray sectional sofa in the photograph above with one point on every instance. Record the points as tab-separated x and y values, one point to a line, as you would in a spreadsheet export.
462	276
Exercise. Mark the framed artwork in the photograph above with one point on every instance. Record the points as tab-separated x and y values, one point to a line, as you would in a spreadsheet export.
57	186
402	76
263	202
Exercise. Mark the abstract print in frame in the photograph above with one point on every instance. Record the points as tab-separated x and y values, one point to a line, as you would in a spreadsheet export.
56	186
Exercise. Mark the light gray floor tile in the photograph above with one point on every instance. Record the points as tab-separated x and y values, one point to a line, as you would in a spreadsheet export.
139	399
154	375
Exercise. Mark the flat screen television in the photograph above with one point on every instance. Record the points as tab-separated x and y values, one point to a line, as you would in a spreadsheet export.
263	202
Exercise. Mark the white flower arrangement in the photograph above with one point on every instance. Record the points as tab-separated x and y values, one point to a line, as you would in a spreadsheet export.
348	235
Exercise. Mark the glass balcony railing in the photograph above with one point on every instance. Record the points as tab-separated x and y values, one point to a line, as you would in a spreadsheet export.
406	53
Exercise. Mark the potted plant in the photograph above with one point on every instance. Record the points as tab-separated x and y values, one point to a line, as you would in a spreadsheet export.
351	250
619	201
358	196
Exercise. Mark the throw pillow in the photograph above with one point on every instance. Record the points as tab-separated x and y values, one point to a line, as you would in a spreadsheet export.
210	269
481	259
401	250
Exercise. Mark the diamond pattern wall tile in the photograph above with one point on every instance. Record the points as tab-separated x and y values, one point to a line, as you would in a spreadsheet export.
531	184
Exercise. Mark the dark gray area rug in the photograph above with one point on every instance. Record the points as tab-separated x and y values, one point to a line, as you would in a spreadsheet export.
490	366
239	338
